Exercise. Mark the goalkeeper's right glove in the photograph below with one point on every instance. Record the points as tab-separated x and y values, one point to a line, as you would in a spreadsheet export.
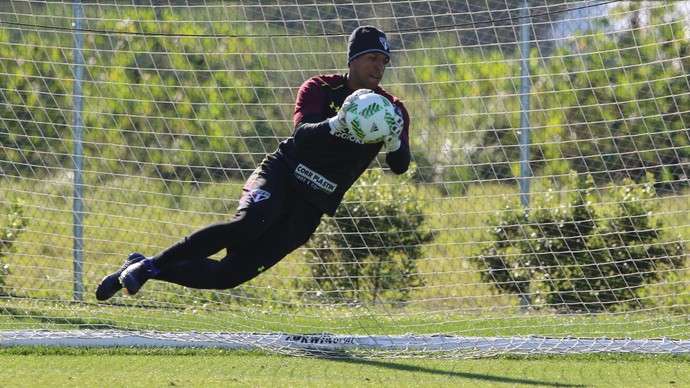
338	122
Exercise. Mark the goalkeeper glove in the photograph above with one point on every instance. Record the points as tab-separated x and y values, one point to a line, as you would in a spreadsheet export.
392	141
338	123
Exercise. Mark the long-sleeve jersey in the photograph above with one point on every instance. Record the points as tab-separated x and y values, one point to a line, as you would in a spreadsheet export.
323	165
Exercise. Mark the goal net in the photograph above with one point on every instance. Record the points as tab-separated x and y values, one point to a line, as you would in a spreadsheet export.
546	209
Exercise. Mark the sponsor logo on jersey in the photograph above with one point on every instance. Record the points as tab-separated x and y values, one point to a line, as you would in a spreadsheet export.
259	195
348	136
314	179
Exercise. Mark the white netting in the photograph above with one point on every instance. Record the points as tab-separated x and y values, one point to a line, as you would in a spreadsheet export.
127	125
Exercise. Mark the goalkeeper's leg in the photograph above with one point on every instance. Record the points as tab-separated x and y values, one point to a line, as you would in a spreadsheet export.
245	262
245	228
255	214
267	194
192	254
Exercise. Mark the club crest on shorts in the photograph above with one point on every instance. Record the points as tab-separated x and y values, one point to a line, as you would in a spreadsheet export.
259	195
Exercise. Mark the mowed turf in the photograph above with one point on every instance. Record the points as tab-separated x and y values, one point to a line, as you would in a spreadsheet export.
76	367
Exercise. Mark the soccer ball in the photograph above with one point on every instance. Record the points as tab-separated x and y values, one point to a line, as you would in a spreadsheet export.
371	117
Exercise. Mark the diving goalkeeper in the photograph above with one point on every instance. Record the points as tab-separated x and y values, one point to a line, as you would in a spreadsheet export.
285	198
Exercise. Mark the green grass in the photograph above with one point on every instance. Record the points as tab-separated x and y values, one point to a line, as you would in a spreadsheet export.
35	315
96	367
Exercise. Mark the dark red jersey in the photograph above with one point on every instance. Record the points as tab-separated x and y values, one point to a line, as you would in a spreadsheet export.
323	165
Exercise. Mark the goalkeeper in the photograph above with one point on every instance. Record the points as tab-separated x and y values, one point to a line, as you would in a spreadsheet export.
286	196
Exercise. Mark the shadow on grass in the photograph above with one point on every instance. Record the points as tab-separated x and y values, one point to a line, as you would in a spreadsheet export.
447	373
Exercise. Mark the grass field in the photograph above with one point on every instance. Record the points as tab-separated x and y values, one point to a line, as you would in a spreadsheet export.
75	367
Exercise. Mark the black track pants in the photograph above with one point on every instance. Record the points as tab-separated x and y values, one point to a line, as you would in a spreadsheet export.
271	222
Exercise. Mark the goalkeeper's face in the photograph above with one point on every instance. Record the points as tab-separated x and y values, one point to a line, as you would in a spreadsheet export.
366	71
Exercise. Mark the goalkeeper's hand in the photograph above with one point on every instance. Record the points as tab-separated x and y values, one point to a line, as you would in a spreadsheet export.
392	142
338	123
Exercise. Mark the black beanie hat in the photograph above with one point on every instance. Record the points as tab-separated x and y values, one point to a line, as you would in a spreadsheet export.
367	39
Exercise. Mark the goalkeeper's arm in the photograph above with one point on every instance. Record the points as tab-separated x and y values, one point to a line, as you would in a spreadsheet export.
311	129
399	160
309	133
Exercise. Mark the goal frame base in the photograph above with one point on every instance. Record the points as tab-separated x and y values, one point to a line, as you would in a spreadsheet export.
325	342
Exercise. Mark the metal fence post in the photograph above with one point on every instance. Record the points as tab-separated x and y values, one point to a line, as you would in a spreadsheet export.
525	130
78	96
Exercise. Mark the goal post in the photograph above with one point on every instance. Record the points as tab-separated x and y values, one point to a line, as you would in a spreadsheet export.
546	209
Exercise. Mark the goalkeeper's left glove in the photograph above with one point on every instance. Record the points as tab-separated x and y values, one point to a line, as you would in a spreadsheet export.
338	123
392	141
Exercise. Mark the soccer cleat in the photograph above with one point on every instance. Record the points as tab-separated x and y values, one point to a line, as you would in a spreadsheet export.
134	276
110	284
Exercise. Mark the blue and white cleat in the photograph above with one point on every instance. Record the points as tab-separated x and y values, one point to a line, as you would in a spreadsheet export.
110	284
134	276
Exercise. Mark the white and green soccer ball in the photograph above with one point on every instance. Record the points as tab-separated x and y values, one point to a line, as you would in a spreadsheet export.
371	117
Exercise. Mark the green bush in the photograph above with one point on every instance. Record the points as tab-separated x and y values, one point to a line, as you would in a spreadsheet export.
12	227
369	249
575	256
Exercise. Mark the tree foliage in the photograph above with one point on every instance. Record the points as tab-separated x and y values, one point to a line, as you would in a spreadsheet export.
183	108
198	107
609	102
622	93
